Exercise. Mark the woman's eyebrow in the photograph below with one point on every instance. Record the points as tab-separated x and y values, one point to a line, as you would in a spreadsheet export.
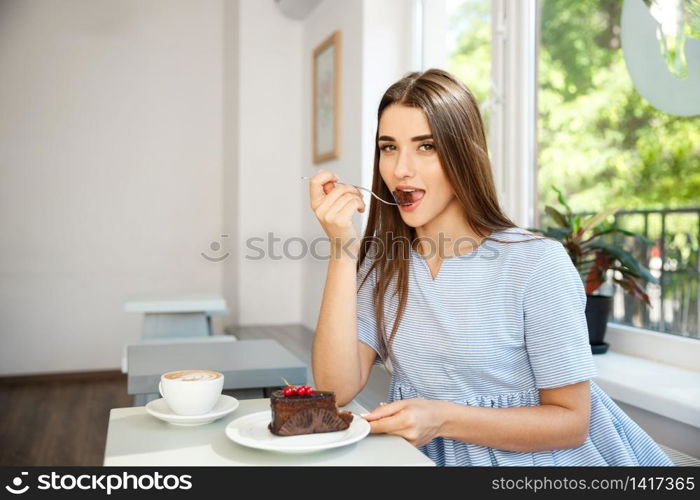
414	139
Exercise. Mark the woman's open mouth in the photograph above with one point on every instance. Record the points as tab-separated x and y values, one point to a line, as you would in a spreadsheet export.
408	198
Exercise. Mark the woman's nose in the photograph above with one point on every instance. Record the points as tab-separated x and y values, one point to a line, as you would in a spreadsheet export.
404	166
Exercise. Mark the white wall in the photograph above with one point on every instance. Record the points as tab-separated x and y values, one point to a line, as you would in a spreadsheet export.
135	133
377	42
230	184
434	24
110	170
387	55
329	16
271	195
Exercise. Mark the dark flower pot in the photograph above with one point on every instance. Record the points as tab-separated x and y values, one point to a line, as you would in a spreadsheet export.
597	313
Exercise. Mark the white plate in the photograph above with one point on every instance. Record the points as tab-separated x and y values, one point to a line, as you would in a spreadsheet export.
159	408
252	431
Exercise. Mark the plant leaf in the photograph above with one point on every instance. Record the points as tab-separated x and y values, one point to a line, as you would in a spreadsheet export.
631	287
626	232
561	199
595	220
557	216
597	274
558	233
625	258
626	270
592	284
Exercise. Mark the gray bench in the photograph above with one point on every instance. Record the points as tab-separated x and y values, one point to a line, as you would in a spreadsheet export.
177	315
255	366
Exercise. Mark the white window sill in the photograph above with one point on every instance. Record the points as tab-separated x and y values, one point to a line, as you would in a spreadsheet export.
665	348
666	390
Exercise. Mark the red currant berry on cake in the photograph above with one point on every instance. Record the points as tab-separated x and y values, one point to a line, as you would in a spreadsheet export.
301	391
290	390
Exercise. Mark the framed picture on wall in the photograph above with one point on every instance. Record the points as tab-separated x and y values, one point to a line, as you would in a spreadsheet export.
326	99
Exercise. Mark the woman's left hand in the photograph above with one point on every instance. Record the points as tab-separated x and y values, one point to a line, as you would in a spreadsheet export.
417	420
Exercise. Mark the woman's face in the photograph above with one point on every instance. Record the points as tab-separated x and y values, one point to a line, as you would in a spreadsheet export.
408	159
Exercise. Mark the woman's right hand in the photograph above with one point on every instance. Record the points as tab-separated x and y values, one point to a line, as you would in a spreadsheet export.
334	205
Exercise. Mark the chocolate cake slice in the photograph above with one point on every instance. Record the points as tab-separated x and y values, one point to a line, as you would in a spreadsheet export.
307	414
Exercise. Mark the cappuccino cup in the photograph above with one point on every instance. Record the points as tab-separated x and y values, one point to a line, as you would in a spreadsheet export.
191	392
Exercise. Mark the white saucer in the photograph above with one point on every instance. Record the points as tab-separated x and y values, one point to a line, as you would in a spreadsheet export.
252	431
160	409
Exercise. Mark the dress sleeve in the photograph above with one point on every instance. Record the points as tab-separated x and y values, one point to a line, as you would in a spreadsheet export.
556	332
366	319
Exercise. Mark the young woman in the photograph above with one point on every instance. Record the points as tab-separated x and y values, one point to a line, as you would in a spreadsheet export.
483	322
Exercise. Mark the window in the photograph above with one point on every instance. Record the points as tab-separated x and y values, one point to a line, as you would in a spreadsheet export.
468	43
604	144
603	137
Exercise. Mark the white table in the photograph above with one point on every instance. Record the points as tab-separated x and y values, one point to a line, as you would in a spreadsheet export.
135	438
177	315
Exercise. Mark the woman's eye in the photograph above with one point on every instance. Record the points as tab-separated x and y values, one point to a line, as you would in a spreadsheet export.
391	147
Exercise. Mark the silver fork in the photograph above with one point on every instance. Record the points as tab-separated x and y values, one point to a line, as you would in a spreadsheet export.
364	189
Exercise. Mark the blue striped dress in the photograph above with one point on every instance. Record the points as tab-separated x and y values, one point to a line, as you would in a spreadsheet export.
492	328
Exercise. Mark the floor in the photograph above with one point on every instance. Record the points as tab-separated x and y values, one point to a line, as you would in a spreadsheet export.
59	420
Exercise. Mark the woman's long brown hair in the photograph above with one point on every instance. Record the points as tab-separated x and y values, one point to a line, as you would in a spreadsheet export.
458	133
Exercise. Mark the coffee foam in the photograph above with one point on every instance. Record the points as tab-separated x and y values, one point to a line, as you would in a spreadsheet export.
193	375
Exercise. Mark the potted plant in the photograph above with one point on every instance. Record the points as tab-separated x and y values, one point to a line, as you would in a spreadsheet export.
598	260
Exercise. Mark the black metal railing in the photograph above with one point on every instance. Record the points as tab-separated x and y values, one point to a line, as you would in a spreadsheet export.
673	259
